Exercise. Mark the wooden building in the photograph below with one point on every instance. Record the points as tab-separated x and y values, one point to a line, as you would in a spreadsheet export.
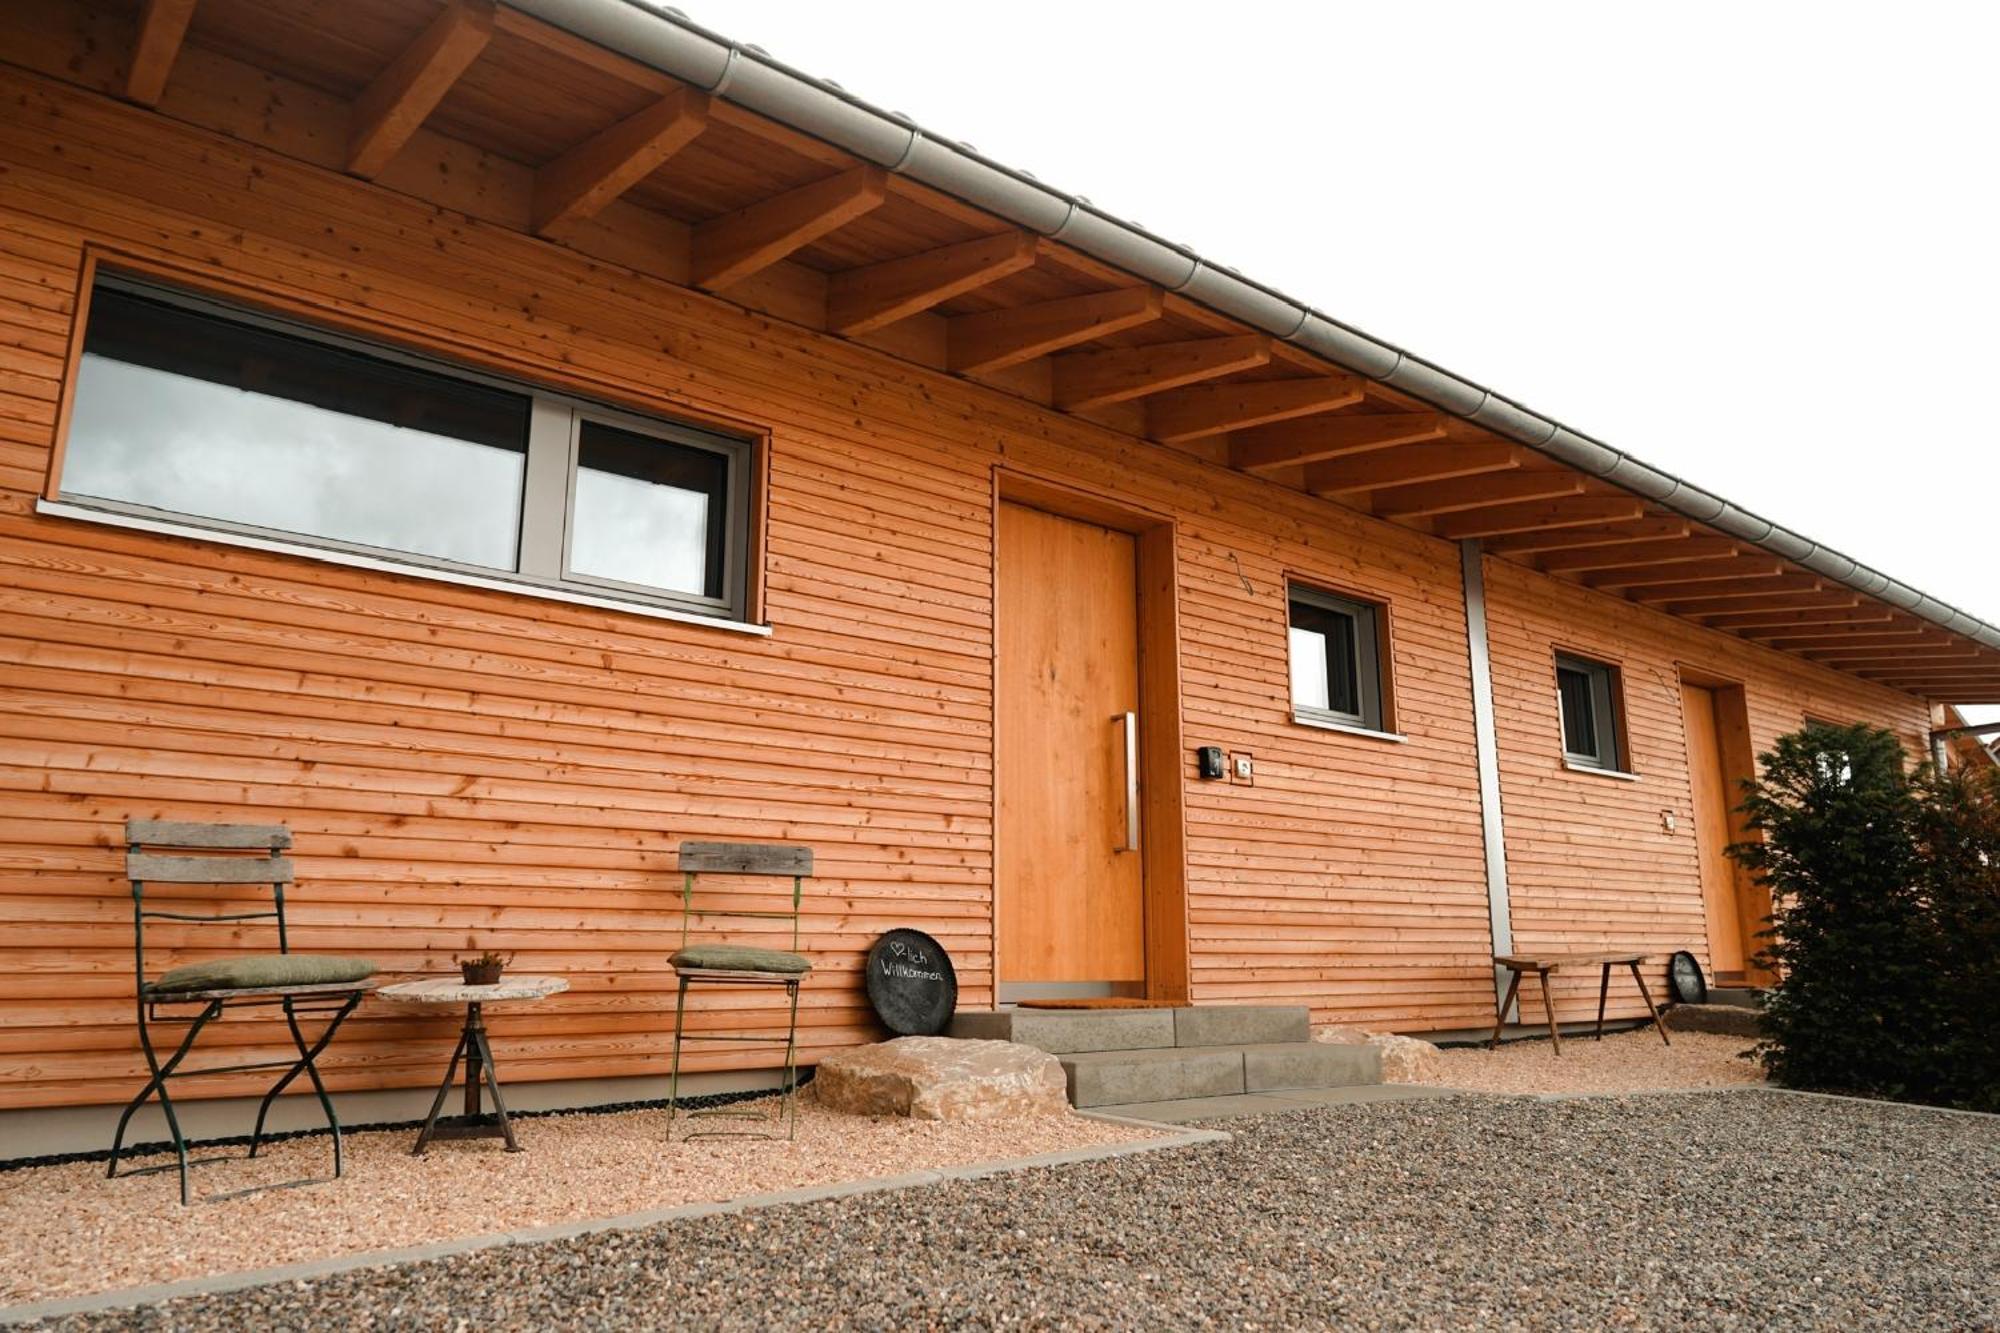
501	441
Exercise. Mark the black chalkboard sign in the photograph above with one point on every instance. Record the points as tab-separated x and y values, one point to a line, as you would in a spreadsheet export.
911	983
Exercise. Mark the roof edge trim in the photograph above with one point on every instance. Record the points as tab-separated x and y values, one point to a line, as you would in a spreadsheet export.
672	43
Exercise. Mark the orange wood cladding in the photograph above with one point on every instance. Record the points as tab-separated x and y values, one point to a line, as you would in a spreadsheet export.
1590	861
458	762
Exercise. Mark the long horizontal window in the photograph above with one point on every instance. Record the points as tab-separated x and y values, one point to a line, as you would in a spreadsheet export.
190	411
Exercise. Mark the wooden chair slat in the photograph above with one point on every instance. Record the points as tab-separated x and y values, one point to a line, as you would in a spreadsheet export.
181	833
153	868
745	858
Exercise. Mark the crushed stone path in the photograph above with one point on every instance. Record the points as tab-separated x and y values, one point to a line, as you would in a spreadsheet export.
1710	1210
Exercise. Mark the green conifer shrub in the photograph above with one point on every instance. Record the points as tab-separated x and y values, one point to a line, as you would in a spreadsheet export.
1885	893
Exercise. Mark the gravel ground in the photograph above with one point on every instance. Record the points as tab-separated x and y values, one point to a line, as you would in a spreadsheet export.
1634	1061
1694	1210
66	1230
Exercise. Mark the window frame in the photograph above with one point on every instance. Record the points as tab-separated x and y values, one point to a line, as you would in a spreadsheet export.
548	481
1371	652
1825	758
1607	706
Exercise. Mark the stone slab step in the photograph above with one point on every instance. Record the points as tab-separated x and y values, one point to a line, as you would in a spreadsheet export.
1109	1078
1063	1031
1101	1078
1241	1024
1277	1066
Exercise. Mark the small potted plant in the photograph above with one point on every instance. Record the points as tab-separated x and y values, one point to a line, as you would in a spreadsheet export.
483	969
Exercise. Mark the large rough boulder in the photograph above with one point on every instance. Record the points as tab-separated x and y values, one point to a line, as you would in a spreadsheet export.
943	1078
1404	1059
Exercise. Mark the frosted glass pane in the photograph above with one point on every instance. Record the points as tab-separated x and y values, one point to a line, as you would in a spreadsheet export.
648	512
153	438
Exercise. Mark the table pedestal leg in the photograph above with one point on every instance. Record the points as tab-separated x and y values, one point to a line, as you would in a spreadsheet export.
479	1074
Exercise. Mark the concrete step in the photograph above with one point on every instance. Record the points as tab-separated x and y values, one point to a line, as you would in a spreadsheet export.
1241	1024
1103	1078
1277	1066
1111	1078
1063	1031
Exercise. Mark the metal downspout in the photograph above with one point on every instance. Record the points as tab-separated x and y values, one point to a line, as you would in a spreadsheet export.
1486	751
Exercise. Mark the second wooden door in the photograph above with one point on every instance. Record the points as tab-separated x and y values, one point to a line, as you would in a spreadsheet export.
1718	746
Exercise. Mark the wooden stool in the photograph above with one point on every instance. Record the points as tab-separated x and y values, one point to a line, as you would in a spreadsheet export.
1543	964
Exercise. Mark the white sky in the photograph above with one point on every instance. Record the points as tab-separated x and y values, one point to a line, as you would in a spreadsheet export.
1753	244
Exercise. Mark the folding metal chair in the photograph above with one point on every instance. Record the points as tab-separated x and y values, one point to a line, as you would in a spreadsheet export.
723	964
302	985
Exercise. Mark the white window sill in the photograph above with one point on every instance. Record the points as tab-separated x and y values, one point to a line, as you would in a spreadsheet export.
356	560
1350	728
1593	770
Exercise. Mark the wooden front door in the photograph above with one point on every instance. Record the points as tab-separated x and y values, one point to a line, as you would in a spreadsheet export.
1070	884
1718	746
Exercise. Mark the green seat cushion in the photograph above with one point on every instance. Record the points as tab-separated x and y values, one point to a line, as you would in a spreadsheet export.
737	958
277	969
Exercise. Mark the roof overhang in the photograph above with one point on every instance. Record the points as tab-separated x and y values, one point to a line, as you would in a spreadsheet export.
785	193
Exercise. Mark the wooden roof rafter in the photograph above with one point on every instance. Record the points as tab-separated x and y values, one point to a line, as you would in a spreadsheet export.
395	106
1100	378
162	28
1945	656
1410	465
997	339
1596	536
1538	516
1218	409
1747	587
1815	596
1740	621
1472	494
1724	568
861	300
1579	560
728	249
1271	448
583	180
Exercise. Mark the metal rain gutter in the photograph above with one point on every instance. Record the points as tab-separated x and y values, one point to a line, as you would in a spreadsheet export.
673	44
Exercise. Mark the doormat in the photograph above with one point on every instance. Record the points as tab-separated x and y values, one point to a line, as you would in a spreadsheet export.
1099	1002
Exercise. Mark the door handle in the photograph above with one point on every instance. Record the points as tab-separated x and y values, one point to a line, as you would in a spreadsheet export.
1130	722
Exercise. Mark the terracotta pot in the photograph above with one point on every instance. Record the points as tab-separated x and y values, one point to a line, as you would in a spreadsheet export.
480	974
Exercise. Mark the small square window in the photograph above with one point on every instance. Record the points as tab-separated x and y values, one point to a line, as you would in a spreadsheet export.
1336	659
1587	693
1835	765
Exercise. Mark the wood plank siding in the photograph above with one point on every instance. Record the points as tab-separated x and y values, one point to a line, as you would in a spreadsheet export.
456	762
1590	863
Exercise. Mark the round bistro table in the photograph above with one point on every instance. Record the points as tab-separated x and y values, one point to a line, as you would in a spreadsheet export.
472	1047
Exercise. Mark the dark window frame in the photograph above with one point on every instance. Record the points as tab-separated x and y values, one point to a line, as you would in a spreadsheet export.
1370	655
1605	749
547	509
